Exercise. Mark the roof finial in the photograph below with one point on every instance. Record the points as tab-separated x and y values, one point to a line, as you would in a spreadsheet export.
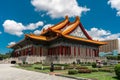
77	18
66	17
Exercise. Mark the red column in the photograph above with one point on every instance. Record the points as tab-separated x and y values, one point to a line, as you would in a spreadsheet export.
95	52
74	51
15	54
59	50
40	51
65	50
26	51
70	49
62	50
32	50
79	51
48	51
86	51
89	52
98	53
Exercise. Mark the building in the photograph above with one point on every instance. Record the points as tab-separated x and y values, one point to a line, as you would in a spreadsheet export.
111	48
64	42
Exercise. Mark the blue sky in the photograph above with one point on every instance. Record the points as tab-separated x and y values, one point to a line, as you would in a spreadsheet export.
101	18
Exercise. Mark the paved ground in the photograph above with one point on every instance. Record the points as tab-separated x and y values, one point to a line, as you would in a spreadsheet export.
10	73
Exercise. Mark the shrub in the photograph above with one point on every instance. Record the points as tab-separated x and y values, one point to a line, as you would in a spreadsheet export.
44	68
47	67
37	68
106	70
104	63
57	68
94	70
89	63
94	65
74	63
25	62
46	64
84	71
19	64
69	67
117	70
73	71
38	63
81	67
61	64
25	65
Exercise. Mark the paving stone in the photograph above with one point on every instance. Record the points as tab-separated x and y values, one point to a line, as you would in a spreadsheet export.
10	73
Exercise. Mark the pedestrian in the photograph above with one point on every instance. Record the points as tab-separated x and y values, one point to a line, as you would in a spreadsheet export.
52	67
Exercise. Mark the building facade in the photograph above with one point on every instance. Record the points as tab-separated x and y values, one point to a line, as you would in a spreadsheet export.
64	42
111	48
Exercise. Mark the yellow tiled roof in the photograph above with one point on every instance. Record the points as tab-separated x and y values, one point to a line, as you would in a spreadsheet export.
36	37
71	27
65	32
85	40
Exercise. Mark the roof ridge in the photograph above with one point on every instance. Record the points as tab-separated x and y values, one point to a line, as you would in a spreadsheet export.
72	26
61	24
57	26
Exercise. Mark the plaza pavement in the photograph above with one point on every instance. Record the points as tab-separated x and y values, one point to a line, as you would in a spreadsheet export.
10	73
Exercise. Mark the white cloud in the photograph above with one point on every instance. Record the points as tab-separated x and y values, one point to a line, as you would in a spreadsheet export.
115	4
47	26
59	8
11	43
101	34
33	26
37	32
0	32
16	28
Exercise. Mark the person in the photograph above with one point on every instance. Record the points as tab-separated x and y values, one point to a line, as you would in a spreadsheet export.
52	67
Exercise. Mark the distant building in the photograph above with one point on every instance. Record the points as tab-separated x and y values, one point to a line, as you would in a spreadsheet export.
64	42
111	48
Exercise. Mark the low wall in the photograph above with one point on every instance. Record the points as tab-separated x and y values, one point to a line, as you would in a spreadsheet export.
54	59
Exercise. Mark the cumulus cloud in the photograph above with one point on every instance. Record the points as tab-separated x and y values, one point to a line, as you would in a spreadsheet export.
37	32
11	43
47	26
101	34
59	8
115	4
33	26
16	28
0	32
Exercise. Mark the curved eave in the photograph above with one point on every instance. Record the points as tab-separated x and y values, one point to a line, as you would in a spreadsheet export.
36	37
41	38
71	26
11	46
85	40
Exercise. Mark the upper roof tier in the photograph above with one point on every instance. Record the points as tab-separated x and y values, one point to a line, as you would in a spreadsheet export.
67	29
71	30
